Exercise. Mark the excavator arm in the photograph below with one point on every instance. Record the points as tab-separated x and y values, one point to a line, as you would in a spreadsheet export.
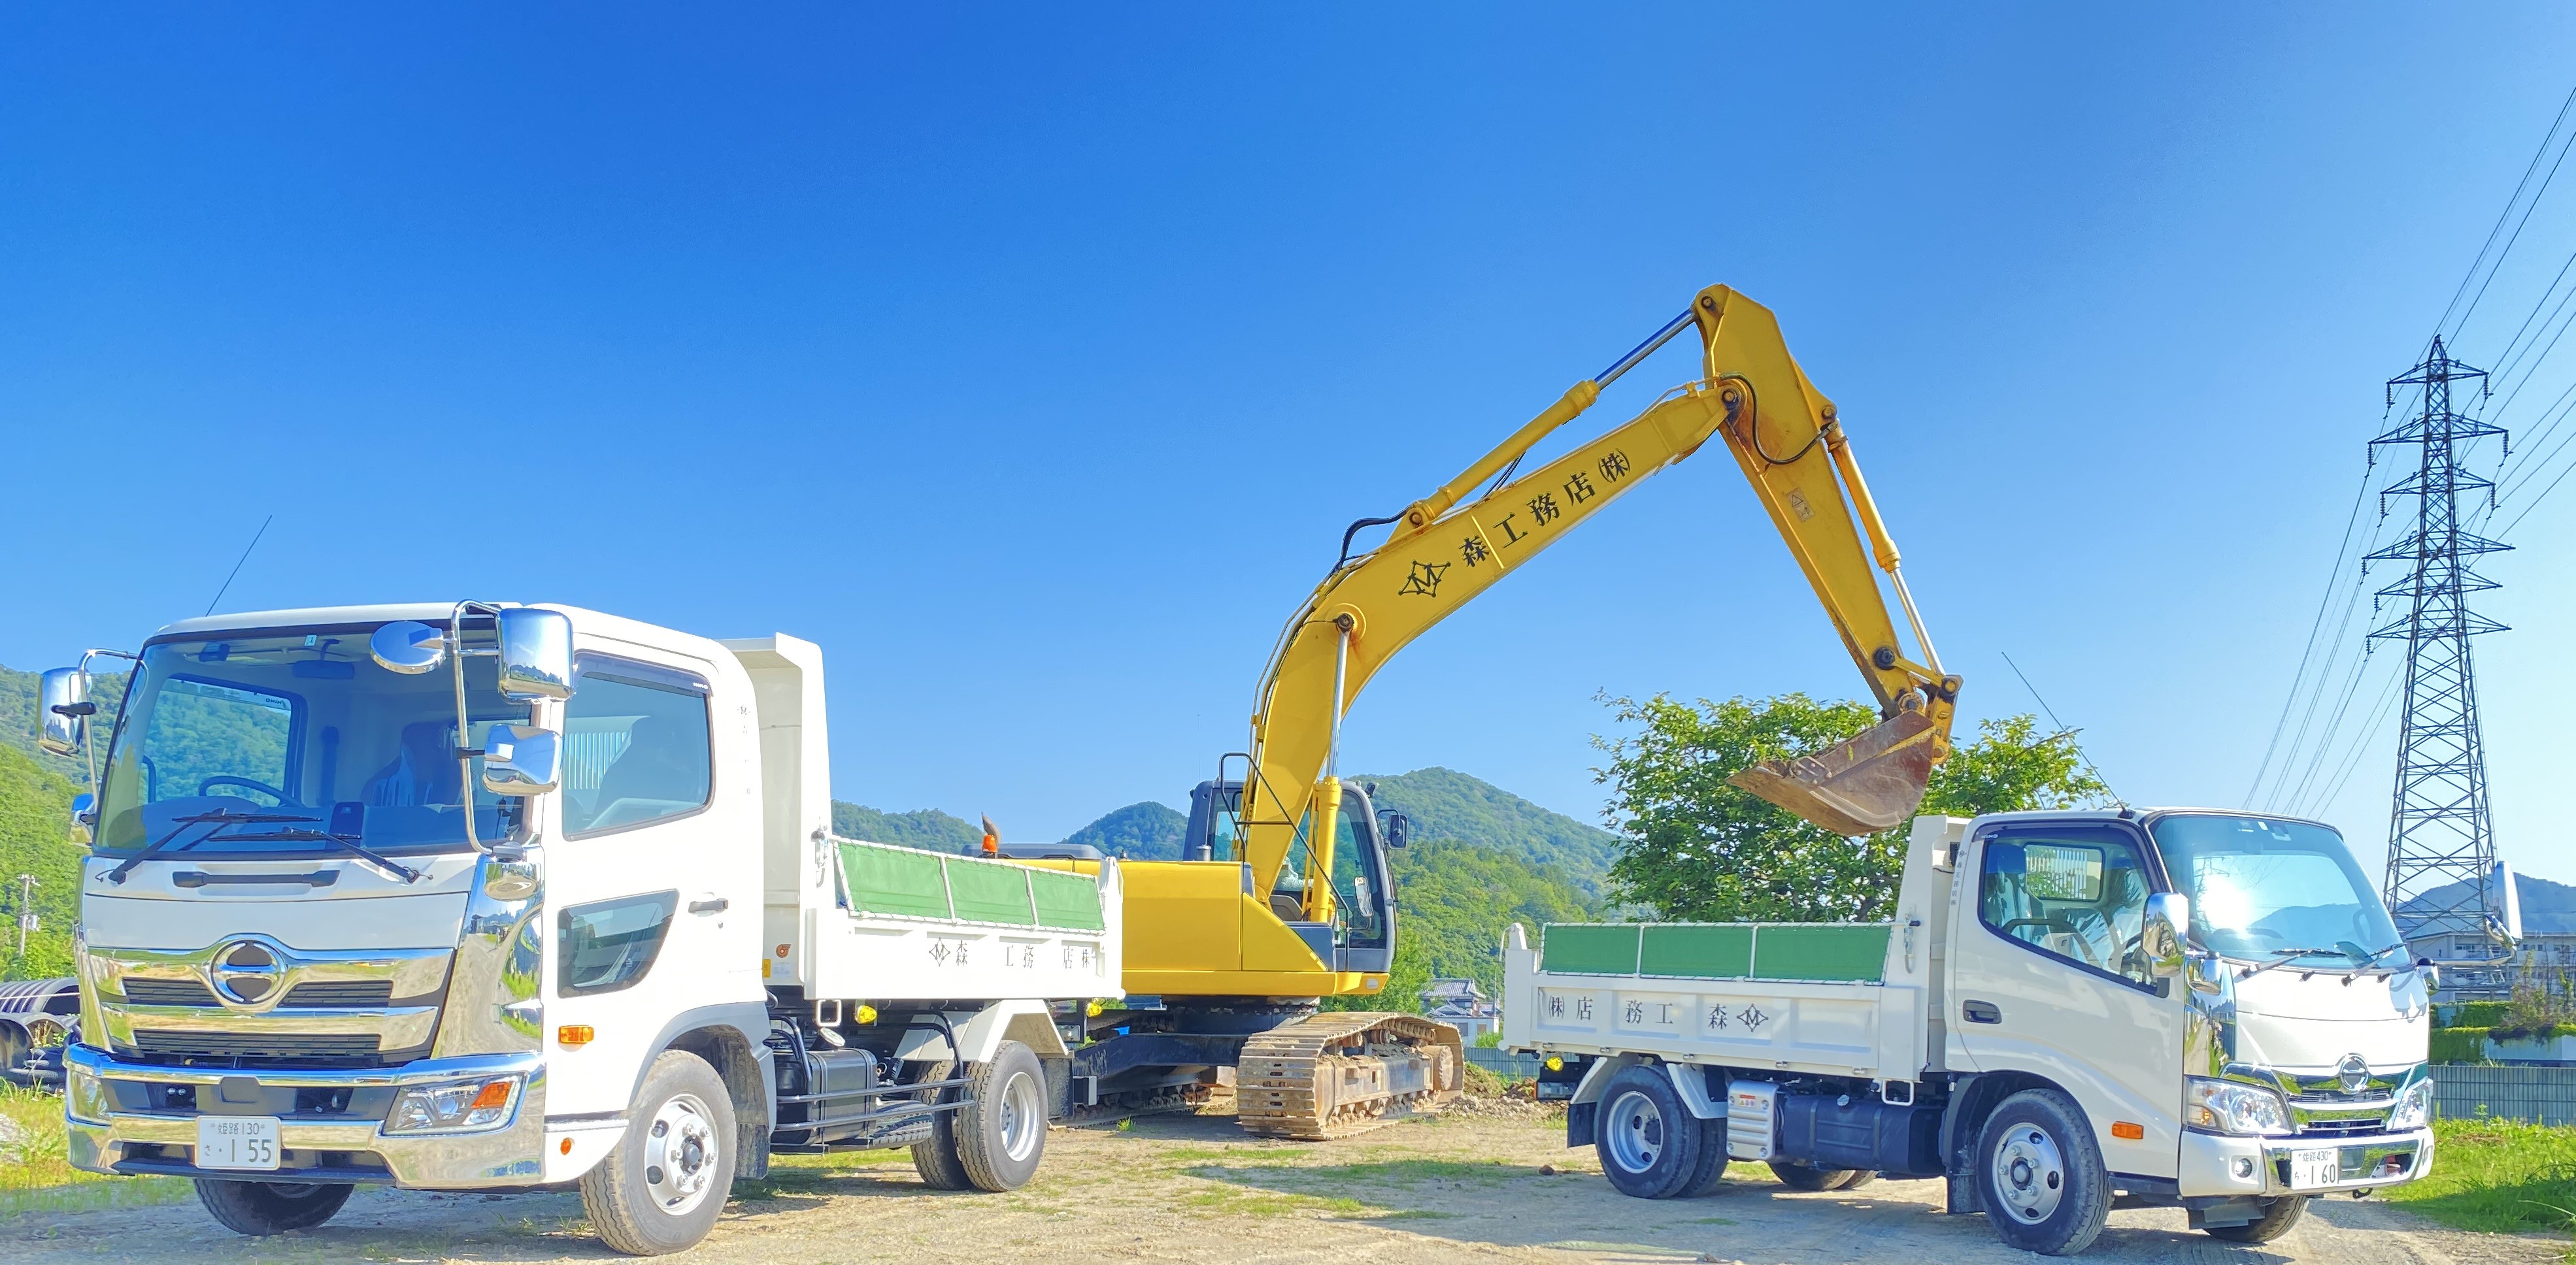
1447	548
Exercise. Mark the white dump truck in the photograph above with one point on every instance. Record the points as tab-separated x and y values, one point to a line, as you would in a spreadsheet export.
2071	1012
491	897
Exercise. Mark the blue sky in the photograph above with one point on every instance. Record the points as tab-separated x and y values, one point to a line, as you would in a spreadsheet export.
1032	360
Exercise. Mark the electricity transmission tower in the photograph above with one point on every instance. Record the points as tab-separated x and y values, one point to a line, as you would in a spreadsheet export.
2441	841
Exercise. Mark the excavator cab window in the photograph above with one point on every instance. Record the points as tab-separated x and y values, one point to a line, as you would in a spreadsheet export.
1359	875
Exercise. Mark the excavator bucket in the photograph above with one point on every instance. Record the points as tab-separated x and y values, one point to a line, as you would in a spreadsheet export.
1871	783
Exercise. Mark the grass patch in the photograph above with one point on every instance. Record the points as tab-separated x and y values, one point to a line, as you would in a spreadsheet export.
43	1180
1244	1203
2500	1176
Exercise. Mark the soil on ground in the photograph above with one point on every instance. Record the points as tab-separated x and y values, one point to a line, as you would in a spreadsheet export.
1492	1181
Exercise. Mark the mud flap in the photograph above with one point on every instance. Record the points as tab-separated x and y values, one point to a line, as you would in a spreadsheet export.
1871	783
1578	1123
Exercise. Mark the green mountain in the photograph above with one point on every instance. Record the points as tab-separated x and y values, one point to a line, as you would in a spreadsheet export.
35	822
1447	804
928	829
1139	832
1454	897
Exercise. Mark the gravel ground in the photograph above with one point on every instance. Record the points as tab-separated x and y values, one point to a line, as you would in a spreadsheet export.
1490	1184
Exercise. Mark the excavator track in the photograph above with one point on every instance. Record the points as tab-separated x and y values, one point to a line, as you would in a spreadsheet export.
1343	1072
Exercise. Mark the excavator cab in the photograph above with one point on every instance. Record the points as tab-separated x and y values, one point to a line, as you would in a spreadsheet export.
1341	902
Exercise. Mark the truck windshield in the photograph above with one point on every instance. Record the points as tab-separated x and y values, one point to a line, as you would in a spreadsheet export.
305	732
2263	890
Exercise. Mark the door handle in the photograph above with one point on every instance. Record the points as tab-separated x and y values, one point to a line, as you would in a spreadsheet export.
715	906
1981	1012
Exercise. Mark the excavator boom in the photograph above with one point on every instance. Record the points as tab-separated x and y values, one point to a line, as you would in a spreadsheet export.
1451	546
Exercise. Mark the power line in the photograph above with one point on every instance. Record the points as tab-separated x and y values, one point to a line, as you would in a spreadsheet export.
2552	134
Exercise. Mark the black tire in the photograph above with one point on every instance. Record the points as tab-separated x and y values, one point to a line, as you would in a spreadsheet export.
14	1047
1001	1131
1802	1176
1855	1178
935	1157
1649	1143
661	1188
2041	1174
1711	1173
260	1209
2277	1220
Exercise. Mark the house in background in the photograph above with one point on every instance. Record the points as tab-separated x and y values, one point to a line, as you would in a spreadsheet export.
1462	1005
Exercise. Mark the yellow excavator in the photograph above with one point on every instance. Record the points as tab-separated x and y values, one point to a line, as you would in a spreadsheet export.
1284	899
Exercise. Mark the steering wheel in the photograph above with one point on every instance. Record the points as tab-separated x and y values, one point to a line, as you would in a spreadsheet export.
226	779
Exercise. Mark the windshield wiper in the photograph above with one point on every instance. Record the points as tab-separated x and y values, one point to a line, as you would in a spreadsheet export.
2284	957
348	842
220	817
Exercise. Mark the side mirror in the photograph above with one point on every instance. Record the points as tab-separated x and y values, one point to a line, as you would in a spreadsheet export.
84	816
536	654
1399	830
408	647
64	703
2432	974
2165	933
522	760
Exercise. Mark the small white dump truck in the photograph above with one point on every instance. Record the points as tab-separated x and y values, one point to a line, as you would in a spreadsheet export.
2071	1012
488	897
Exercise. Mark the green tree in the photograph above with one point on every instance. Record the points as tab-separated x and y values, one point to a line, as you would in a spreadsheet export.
1453	900
1694	848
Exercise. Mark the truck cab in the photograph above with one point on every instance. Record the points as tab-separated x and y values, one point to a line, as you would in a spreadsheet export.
479	896
2067	1010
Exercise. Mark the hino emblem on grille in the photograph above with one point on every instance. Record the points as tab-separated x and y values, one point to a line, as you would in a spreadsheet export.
2353	1072
244	973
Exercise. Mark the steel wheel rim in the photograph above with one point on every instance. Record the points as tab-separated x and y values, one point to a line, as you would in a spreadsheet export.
2030	1173
680	1155
1637	1132
1023	1117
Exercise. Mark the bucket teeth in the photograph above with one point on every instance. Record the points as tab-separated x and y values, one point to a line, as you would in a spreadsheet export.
1334	1074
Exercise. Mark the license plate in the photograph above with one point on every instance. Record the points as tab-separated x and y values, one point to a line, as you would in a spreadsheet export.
2315	1170
244	1142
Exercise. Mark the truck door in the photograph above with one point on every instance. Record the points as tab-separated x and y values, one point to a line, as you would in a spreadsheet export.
2048	976
636	877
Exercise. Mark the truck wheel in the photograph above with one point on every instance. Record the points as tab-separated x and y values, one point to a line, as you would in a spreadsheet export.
1649	1142
661	1188
2043	1181
1799	1175
1856	1178
2276	1221
1001	1131
935	1157
260	1209
1711	1173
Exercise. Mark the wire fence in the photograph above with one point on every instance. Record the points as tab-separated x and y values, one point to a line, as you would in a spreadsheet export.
2540	1095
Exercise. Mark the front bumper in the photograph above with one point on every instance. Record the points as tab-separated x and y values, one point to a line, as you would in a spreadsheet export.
124	1138
2217	1165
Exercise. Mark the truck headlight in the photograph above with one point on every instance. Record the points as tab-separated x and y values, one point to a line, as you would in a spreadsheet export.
2213	1106
454	1107
2414	1107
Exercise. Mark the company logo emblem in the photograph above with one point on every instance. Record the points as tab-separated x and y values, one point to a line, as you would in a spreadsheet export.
244	974
2353	1073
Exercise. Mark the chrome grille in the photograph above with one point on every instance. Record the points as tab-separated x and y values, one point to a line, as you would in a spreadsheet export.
168	992
312	995
299	1048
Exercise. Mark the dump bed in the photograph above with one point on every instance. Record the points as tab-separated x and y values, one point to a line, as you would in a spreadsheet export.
1837	999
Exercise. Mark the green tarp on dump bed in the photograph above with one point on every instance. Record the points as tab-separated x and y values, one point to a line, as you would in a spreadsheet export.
888	881
1828	952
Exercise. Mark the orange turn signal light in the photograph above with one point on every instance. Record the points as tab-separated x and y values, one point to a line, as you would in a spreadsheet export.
2128	1129
573	1036
565	1147
496	1094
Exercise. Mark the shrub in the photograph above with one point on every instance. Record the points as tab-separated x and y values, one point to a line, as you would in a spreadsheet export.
2459	1045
